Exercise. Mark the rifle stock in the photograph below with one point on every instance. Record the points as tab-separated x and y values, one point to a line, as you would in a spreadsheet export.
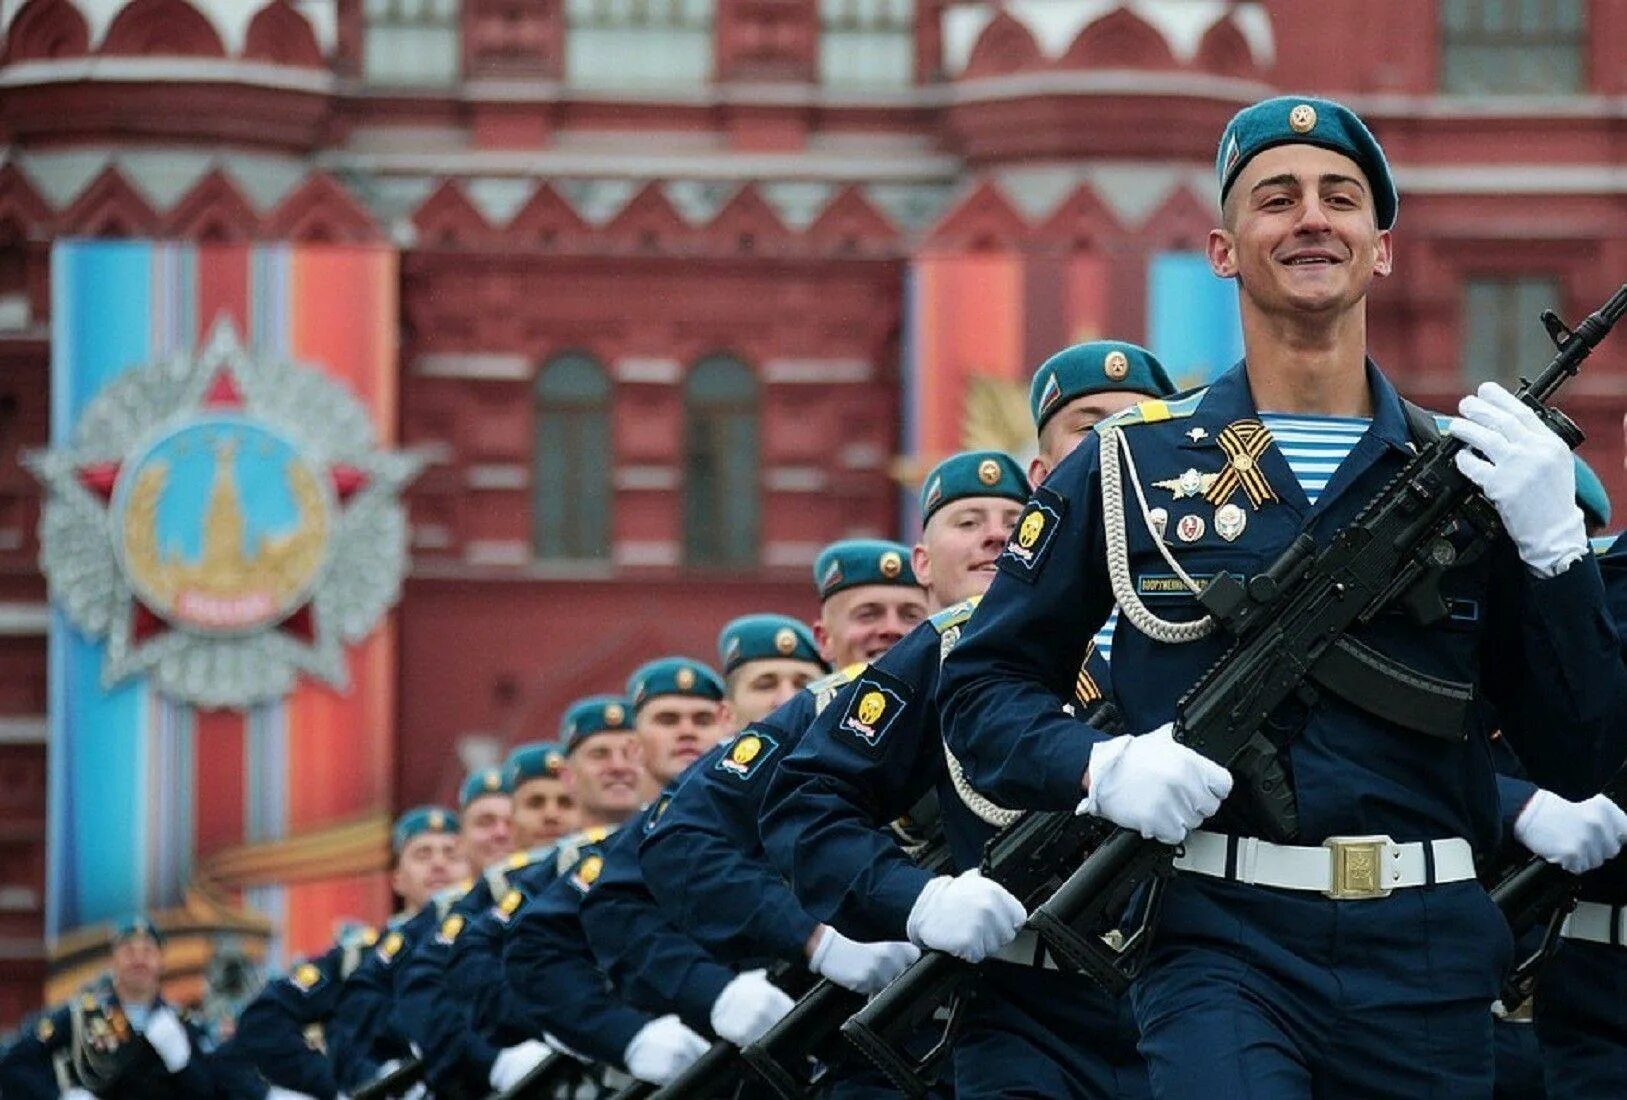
545	1078
397	1081
781	1056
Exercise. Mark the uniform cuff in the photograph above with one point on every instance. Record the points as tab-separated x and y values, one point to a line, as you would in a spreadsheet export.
895	896
1512	795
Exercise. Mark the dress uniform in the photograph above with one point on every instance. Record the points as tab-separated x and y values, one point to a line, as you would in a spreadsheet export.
1311	983
554	986
1028	1030
163	1056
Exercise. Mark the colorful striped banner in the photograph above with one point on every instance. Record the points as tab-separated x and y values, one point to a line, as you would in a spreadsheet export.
142	789
1193	325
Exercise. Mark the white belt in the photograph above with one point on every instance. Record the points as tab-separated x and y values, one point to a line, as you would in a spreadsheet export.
1342	867
1596	922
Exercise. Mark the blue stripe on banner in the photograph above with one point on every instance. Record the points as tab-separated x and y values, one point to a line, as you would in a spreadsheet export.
101	325
1193	324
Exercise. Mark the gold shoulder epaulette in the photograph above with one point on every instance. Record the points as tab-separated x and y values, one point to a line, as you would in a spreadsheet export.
1155	410
955	614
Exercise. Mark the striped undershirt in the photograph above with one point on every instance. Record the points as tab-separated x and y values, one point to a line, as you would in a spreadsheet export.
1314	445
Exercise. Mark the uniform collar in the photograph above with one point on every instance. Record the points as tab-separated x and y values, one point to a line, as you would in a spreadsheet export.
1229	398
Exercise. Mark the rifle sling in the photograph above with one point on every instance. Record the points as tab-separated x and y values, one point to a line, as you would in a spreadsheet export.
1386	689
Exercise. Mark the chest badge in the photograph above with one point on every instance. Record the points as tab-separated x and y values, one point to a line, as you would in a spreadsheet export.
1243	442
1190	528
1196	435
1230	521
1158	518
1189	484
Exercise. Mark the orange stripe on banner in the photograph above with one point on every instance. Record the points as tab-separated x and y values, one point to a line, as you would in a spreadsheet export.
340	757
970	324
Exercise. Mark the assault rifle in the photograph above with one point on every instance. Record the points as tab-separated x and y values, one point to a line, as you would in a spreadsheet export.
547	1079
1535	894
1289	628
395	1083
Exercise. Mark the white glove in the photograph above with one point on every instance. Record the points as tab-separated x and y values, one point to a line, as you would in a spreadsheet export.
276	1092
1531	477
749	1006
515	1062
77	1093
1578	836
862	967
1161	789
662	1049
967	916
167	1035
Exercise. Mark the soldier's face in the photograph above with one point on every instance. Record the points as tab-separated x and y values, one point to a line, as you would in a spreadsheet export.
863	622
544	811
488	834
138	962
674	730
757	687
1301	235
429	862
602	774
1070	424
955	557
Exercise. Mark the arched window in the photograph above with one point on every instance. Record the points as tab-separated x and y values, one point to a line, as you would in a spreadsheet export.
570	474
720	464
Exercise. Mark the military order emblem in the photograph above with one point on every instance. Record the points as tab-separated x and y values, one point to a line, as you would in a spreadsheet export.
1190	528
685	679
785	641
1116	365
988	472
891	564
225	521
1159	519
1302	119
1230	521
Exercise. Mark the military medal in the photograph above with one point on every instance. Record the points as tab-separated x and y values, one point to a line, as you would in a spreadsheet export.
1158	519
1190	529
1197	435
1230	521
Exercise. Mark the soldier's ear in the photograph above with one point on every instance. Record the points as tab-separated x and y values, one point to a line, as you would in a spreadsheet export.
1222	252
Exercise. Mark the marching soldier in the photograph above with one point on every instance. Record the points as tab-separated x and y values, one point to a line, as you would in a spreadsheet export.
1026	1030
1348	957
486	816
118	1039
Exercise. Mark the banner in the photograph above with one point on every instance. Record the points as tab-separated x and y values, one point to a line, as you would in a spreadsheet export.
144	788
1193	325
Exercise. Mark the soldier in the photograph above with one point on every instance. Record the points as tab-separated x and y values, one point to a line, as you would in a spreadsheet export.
553	974
127	1043
766	659
1027	1031
1311	979
544	807
486	813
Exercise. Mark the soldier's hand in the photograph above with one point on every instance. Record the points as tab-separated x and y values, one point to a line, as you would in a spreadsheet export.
1154	785
662	1049
1578	836
862	967
277	1092
967	915
167	1036
749	1006
1527	472
514	1062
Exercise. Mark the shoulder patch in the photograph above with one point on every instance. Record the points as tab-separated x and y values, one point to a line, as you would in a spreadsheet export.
1030	541
747	753
1156	410
874	705
450	927
305	977
44	1029
955	614
586	872
390	946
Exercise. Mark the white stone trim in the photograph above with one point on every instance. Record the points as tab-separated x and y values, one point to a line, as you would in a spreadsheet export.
647	478
1497	179
497	552
168	70
650	369
431	536
489	367
816	371
1071	82
24	620
506	476
841	166
863	456
795	479
23	730
649	553
785	555
434	452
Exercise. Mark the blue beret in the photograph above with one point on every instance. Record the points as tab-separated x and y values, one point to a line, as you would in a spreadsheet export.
538	760
594	714
1306	120
673	676
136	924
972	474
1590	495
766	638
420	820
854	562
482	781
1100	366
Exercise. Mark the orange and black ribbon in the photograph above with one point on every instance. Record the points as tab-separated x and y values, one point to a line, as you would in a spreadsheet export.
1085	688
1243	442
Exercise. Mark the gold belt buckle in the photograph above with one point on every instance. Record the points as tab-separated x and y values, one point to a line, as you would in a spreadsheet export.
1358	866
